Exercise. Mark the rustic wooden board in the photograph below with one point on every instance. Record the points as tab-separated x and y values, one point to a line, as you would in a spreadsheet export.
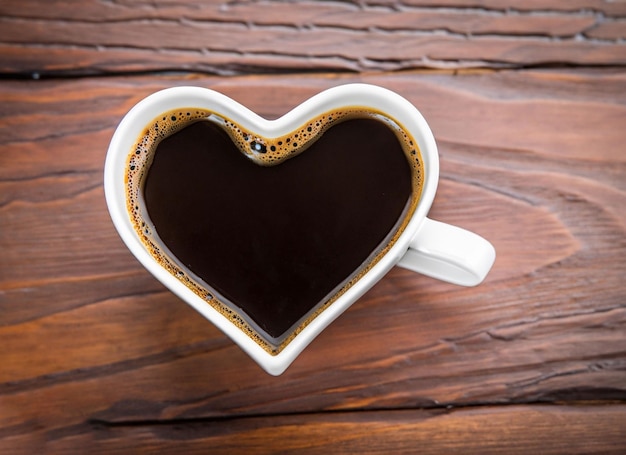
96	349
598	429
275	36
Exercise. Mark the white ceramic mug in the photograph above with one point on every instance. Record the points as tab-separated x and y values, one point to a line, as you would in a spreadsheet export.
432	248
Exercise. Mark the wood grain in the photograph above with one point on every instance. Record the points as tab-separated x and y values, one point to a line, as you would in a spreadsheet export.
468	431
527	101
275	36
95	349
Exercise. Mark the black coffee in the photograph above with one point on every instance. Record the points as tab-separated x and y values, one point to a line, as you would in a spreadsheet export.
271	230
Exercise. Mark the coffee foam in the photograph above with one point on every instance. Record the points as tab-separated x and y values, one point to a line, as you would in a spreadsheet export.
263	151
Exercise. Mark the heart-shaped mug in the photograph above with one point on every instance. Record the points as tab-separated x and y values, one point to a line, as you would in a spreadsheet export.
412	241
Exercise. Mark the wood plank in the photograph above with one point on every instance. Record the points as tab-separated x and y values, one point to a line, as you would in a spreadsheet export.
80	318
312	36
472	23
504	430
324	14
306	13
166	375
607	7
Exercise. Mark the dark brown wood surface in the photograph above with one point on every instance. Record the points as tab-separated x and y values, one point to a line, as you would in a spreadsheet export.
527	101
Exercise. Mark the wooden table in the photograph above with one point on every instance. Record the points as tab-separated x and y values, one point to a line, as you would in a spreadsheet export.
527	101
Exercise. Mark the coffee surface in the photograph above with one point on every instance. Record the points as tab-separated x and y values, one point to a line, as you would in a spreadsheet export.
275	242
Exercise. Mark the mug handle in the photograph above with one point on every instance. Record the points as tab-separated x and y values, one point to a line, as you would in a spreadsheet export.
449	253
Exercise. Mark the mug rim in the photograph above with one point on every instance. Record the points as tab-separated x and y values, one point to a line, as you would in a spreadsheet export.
347	95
